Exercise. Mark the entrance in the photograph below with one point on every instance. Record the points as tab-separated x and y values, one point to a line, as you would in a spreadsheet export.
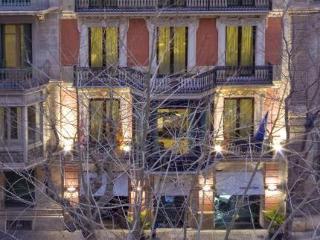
247	216
171	211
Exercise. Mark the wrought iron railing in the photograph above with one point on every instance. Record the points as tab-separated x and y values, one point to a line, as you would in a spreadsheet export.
245	149
108	77
173	84
21	79
228	75
23	5
171	5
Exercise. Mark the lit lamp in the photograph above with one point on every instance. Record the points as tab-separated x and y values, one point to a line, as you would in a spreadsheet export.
126	147
277	147
272	187
218	148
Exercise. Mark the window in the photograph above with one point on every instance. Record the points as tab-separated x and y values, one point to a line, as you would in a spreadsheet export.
104	46
238	118
240	45
15	2
172	49
105	122
34	124
19	189
10	118
16	45
172	125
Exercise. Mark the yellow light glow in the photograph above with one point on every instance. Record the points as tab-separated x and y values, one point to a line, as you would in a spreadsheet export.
126	147
218	148
272	187
71	189
277	147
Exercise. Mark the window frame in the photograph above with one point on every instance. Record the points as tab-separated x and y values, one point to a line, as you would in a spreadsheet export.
171	48
104	39
238	124
254	38
104	116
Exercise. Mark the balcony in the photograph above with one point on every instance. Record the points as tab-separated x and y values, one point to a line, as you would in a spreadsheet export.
138	6
21	79
23	5
256	75
20	156
110	77
174	84
244	150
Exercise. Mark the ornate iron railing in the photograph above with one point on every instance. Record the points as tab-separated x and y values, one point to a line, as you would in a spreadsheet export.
171	5
23	5
173	84
21	79
227	75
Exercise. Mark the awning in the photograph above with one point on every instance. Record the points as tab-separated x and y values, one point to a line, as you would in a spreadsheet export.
235	183
172	185
98	183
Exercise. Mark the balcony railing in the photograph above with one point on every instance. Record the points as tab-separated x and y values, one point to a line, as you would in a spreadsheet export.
228	75
244	149
185	83
171	5
23	5
21	79
173	84
108	77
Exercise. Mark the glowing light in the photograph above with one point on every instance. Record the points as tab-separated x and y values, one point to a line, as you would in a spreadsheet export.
206	188
272	187
277	147
218	148
139	188
126	147
71	189
67	147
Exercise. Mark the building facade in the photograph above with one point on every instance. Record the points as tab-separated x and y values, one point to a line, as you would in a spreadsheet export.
174	105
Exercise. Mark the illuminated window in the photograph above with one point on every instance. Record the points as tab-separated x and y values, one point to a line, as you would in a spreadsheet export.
172	49
104	46
238	118
105	122
240	45
16	45
172	125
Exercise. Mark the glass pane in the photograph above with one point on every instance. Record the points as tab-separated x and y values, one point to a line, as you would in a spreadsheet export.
112	46
97	113
19	191
232	46
113	126
172	125
14	122
33	124
246	117
96	47
10	50
247	46
230	118
164	50
179	49
26	45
